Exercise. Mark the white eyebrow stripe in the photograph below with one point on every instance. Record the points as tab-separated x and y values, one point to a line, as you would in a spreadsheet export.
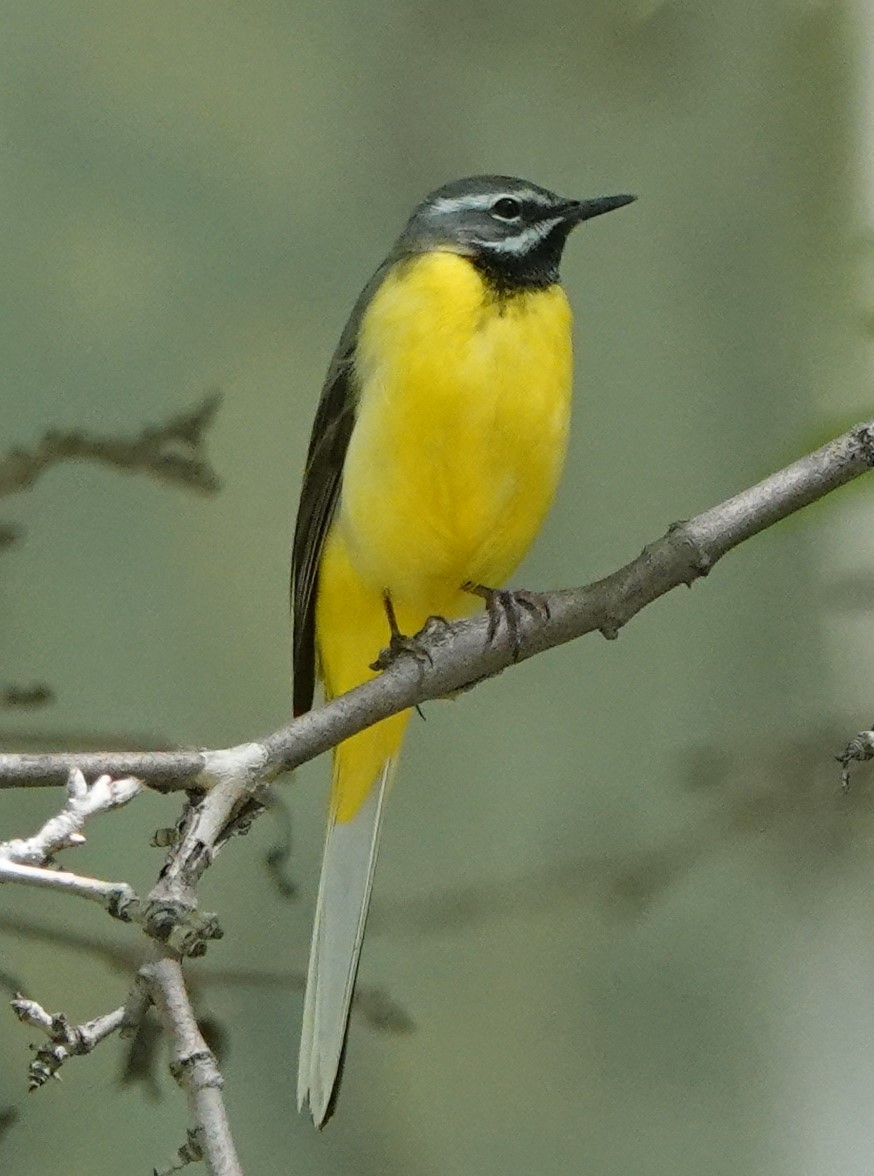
457	203
475	201
524	240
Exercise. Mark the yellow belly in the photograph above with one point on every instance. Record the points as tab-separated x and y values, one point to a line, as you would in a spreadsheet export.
461	430
457	448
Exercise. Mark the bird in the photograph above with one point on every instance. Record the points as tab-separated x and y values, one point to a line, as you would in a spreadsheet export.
435	453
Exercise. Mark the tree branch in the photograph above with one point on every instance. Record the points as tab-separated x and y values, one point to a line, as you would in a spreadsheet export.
163	771
193	1065
461	655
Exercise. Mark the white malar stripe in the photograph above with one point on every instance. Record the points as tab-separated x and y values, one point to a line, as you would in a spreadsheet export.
525	240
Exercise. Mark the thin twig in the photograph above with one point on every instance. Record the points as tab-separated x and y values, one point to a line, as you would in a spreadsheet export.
65	1040
65	829
193	1065
114	896
172	452
28	860
858	751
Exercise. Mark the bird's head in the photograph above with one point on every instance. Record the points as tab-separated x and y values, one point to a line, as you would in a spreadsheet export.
513	229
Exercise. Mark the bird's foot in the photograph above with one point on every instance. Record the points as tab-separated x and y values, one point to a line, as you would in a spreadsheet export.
501	603
400	644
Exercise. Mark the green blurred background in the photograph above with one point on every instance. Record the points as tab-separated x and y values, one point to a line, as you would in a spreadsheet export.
620	896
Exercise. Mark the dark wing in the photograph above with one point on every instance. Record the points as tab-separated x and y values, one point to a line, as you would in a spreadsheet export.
322	479
318	501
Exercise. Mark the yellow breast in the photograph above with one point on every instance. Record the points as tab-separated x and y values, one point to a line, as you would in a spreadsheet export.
461	430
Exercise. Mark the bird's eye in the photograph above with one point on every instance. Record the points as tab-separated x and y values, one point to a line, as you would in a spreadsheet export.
507	208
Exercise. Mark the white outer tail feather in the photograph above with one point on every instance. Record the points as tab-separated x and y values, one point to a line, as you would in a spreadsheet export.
348	863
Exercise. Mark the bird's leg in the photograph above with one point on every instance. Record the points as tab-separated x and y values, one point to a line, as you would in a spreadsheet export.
391	617
399	643
502	603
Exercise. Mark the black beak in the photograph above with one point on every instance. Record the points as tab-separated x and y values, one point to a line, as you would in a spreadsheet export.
581	210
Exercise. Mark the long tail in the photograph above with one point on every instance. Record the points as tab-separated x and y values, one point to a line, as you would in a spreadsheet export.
349	860
351	628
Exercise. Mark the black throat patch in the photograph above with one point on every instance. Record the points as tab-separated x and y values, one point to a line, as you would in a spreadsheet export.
508	273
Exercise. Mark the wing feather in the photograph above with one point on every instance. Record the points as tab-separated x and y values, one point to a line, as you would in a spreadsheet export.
320	494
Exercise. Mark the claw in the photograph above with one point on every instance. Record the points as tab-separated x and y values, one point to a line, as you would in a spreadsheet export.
502	603
399	644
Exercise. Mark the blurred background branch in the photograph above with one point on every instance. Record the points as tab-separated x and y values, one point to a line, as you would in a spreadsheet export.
172	452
